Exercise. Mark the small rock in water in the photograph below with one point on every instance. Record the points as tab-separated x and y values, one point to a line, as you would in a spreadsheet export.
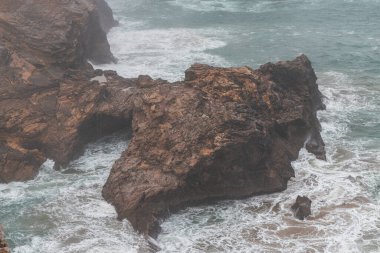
301	207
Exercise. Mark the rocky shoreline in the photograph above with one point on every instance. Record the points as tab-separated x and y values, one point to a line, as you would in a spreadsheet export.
221	133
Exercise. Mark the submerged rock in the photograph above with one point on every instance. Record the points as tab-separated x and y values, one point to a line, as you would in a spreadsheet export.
302	207
3	244
221	133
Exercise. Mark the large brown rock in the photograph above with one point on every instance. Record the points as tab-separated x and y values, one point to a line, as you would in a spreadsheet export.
45	89
63	33
222	133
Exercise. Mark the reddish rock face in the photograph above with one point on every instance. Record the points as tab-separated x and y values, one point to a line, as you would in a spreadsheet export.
45	89
221	133
62	33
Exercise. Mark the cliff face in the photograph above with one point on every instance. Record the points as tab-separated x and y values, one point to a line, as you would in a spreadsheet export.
221	133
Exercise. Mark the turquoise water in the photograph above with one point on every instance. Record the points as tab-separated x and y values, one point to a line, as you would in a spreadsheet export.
64	211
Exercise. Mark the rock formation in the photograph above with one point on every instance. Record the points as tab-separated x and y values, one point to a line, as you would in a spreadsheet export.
105	15
45	87
302	207
3	244
221	133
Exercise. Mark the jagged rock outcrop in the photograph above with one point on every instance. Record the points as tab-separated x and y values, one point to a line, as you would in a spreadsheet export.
105	13
221	133
3	244
45	87
302	207
63	33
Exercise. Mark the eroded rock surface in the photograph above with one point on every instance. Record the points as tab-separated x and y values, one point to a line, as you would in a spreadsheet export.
63	33
45	90
221	133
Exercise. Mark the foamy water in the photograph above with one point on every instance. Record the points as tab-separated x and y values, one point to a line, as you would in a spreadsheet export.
346	214
239	5
63	211
161	53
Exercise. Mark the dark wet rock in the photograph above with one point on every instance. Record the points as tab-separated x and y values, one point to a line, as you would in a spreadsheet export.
105	13
302	207
3	244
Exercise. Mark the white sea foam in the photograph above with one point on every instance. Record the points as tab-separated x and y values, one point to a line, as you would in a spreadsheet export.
198	5
63	211
239	5
165	53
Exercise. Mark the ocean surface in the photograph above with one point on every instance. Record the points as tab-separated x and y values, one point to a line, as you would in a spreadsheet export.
63	211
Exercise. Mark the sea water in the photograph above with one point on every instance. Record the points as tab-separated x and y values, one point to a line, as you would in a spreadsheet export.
63	211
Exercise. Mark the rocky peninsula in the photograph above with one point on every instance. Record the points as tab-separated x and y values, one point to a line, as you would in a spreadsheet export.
221	133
